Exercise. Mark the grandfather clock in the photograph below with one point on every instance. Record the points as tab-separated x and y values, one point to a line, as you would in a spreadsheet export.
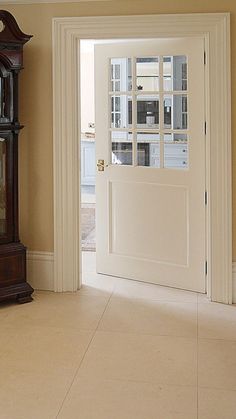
12	252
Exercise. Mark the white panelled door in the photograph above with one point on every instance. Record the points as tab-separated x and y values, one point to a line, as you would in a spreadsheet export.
149	107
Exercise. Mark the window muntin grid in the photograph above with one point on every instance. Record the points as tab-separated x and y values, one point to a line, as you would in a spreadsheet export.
158	107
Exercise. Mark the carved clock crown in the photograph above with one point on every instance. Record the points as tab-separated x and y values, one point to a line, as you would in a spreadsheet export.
12	40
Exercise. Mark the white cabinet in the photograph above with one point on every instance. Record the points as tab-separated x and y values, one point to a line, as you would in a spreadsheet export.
88	162
154	155
176	155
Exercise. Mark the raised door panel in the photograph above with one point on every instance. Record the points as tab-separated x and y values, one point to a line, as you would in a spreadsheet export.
12	268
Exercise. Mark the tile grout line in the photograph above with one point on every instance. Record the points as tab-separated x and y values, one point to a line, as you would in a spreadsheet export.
218	388
78	368
124	332
73	378
219	339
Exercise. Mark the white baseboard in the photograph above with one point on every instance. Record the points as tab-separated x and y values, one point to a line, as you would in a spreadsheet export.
40	270
234	282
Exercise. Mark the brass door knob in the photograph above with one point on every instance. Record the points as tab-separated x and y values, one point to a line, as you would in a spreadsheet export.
101	165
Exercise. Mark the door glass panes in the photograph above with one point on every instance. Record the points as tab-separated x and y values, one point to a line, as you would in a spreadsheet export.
148	111
121	74
175	151
147	74
121	111
122	148
175	73
175	112
148	149
2	186
142	132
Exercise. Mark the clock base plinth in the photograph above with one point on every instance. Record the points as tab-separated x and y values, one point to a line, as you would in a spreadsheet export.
19	292
13	283
25	299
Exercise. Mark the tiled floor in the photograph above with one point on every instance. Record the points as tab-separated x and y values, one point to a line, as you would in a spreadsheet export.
118	349
88	206
88	234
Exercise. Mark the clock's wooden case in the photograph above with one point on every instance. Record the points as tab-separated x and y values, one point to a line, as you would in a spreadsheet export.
12	252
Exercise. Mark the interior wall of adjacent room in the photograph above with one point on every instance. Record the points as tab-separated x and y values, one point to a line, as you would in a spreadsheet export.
87	85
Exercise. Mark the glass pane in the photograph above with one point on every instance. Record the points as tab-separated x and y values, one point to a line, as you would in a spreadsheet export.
121	74
6	89
175	73
148	111
167	73
2	186
148	149
175	112
175	151
168	112
121	111
122	148
147	73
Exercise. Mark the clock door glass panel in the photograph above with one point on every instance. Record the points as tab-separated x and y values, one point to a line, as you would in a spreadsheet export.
6	99
3	223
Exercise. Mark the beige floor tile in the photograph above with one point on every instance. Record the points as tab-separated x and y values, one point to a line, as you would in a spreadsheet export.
44	349
58	310
135	289
216	404
97	284
6	336
123	356
149	316
92	399
217	364
217	321
26	395
37	369
7	310
5	307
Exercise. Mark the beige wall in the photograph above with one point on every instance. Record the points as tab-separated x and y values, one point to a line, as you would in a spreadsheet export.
36	188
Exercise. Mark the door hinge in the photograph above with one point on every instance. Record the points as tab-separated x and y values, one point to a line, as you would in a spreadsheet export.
204	57
206	267
205	197
205	127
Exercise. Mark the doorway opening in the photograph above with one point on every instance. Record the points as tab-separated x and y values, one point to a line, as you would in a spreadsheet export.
87	149
143	121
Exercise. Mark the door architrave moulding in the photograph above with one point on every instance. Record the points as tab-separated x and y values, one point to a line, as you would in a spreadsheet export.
67	33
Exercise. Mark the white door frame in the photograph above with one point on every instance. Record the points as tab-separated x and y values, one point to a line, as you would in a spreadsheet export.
67	32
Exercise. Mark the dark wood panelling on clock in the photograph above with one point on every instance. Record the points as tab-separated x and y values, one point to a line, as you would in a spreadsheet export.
13	282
